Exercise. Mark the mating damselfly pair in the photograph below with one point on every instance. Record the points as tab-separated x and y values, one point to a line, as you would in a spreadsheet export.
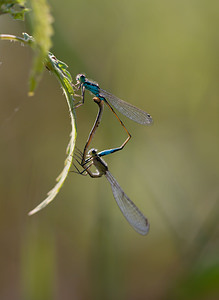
133	215
86	159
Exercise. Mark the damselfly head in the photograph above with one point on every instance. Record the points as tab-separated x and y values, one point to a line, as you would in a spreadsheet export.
80	78
92	152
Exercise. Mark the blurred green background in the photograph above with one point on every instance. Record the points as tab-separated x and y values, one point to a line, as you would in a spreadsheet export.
162	56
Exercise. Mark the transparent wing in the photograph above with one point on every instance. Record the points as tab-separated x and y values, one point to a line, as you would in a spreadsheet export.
127	109
130	211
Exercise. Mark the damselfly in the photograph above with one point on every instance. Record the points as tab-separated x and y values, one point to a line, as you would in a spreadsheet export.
130	211
127	109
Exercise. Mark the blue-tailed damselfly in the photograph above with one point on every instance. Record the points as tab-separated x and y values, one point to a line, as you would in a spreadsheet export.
125	108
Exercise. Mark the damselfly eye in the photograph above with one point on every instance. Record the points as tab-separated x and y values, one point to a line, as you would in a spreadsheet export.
80	78
92	151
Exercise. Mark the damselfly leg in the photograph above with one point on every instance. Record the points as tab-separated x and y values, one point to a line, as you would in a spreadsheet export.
100	104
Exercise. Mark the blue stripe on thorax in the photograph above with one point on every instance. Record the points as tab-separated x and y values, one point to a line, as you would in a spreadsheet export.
94	89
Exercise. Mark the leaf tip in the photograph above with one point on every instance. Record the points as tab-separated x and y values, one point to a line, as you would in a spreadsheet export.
31	213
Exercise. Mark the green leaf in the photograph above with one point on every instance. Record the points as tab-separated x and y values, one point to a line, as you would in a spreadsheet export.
60	70
16	8
42	32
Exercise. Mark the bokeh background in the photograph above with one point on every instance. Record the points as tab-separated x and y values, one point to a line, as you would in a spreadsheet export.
162	56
